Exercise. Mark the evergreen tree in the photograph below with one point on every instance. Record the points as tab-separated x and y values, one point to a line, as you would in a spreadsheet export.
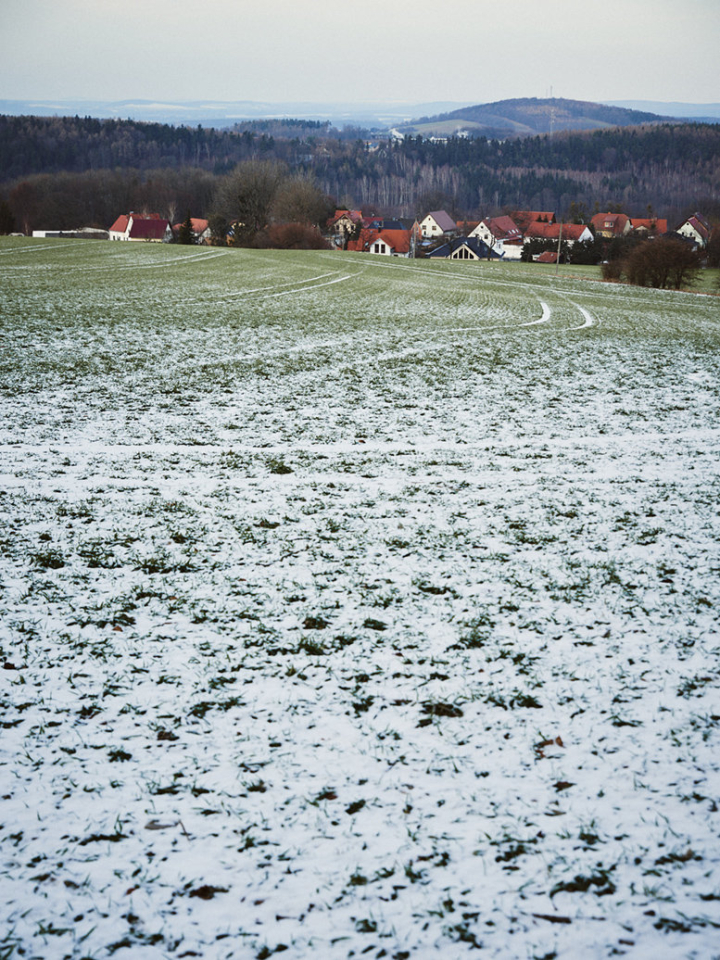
185	233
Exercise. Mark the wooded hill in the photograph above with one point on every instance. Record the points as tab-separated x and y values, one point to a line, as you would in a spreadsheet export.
74	171
528	117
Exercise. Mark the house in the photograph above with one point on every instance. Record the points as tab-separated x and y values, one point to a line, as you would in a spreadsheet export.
649	226
611	225
344	222
436	224
139	226
464	248
695	228
502	235
569	233
388	243
200	230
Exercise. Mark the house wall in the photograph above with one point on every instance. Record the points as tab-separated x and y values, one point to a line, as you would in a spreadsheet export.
508	251
687	230
343	226
463	253
483	233
429	228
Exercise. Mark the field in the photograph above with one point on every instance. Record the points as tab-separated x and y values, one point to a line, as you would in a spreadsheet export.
355	608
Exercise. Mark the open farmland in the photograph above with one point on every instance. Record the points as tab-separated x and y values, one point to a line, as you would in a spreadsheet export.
355	607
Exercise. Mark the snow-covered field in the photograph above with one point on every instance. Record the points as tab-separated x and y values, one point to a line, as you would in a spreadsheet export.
355	608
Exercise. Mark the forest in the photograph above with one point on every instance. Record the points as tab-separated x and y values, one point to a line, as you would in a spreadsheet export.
69	172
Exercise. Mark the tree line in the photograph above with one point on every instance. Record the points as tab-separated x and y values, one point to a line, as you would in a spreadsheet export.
68	172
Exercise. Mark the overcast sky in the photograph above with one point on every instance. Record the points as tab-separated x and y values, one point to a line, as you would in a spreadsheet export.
356	50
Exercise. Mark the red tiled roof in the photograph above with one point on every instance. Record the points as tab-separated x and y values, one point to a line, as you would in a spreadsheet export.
651	224
120	225
398	240
615	222
523	218
551	231
502	228
197	225
550	256
354	215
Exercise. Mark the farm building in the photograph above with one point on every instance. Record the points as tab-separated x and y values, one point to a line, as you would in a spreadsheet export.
138	226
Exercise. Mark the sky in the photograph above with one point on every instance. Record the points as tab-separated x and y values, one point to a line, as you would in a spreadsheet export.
368	50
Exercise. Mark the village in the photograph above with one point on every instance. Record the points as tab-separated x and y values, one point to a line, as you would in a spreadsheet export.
521	235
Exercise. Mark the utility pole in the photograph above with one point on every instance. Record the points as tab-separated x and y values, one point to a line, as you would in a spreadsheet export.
557	258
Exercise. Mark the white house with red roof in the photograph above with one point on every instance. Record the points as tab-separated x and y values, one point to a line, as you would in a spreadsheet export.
388	243
611	225
141	226
502	235
695	228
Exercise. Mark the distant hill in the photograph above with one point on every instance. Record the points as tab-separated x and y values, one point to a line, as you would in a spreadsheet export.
704	112
528	117
226	113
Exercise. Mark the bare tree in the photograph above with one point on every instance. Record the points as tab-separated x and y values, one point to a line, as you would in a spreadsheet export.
246	196
300	200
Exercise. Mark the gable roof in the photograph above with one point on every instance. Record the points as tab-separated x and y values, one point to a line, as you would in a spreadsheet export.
443	219
615	223
354	215
197	225
126	220
397	240
121	224
651	224
699	224
503	228
478	247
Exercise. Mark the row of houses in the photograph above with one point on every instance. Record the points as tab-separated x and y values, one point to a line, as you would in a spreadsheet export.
439	235
505	237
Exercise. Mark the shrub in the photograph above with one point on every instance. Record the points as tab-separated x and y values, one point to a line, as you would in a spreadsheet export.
291	236
665	264
612	270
